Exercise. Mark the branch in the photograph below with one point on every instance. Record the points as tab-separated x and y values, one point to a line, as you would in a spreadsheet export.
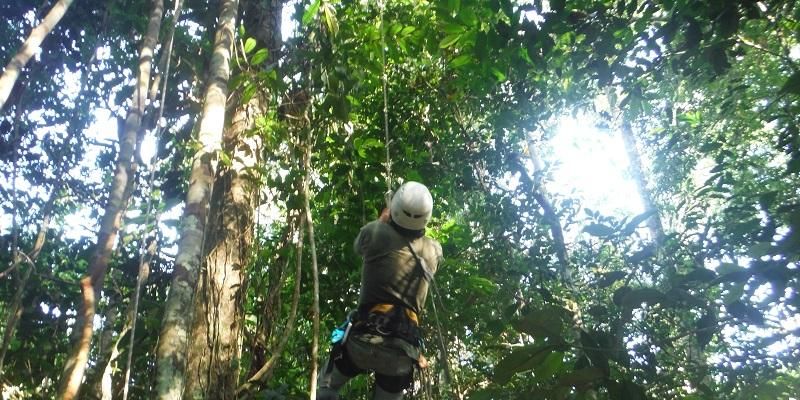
550	216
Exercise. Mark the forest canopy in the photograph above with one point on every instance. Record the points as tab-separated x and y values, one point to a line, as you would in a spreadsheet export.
182	182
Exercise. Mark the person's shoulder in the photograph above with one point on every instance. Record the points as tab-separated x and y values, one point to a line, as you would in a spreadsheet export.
372	225
374	228
433	244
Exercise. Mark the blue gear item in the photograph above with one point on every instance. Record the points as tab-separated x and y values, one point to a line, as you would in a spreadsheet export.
339	334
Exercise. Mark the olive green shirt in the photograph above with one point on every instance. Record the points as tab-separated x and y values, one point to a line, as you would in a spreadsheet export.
390	274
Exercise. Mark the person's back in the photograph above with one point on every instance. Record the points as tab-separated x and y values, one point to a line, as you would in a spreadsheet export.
399	263
390	273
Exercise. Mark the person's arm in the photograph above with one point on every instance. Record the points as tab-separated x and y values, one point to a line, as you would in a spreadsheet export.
363	239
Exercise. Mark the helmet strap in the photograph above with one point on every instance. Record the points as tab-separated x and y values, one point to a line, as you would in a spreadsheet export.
410	233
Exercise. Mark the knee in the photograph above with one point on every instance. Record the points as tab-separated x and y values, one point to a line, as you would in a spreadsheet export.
382	394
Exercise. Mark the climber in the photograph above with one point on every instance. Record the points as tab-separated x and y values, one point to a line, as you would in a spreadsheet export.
383	334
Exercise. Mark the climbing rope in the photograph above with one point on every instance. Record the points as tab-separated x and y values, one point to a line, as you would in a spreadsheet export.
424	378
385	85
423	375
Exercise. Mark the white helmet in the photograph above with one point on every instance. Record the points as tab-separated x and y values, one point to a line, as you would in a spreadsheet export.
412	206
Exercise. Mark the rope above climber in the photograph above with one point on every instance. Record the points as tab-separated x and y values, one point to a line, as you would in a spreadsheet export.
383	335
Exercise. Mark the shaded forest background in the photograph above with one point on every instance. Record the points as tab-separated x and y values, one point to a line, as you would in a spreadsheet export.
201	248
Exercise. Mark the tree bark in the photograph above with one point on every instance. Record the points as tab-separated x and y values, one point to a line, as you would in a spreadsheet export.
14	67
172	347
92	283
214	351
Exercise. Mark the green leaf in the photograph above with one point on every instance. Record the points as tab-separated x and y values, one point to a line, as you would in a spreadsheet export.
546	322
249	45
311	12
330	19
521	359
636	297
599	230
454	6
461	60
260	56
341	108
449	40
582	377
643	254
363	145
482	285
729	272
453	29
636	221
501	77
248	92
553	363
626	390
609	278
407	30
699	275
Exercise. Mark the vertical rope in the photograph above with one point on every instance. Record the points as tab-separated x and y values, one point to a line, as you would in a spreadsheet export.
384	78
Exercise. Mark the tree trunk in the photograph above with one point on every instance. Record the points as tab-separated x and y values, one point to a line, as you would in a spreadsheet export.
172	347
637	172
14	67
214	351
92	284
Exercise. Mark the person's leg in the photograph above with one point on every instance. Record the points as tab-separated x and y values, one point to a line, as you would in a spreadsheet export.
391	387
330	381
338	370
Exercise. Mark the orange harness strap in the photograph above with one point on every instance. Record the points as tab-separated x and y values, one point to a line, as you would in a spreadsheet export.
383	308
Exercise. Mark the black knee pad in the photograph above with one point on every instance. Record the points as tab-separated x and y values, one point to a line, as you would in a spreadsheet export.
394	384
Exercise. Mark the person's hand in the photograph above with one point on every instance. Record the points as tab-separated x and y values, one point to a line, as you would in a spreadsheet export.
422	361
384	215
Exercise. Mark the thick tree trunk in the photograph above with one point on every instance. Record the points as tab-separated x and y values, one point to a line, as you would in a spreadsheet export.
14	67
214	350
172	347
637	172
214	347
91	285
